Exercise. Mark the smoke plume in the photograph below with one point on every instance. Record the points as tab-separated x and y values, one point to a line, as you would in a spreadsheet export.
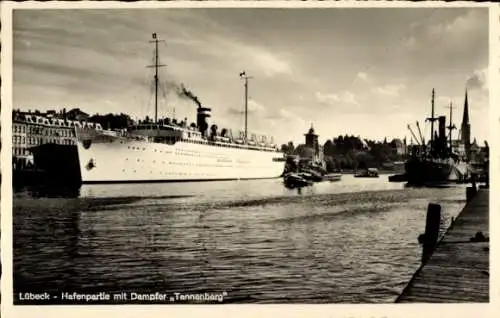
183	92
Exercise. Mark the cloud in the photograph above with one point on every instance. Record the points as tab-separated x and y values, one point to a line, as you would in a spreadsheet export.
345	97
255	58
389	90
444	100
290	116
363	76
327	98
459	32
467	29
478	80
468	22
410	42
269	63
253	108
349	98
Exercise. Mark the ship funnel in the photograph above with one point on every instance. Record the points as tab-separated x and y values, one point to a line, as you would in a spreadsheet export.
442	127
440	141
202	119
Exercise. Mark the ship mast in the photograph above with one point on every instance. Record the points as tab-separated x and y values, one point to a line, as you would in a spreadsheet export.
432	119
451	126
156	66
245	77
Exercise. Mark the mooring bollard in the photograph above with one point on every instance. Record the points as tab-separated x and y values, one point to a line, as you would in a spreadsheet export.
431	235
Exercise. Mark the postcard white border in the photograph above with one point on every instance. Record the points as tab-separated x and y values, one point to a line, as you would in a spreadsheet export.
334	310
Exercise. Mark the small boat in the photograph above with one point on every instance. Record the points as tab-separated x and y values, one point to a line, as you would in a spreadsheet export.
368	173
311	175
398	178
332	177
294	180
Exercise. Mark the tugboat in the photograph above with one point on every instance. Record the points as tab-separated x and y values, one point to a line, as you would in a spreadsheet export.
295	180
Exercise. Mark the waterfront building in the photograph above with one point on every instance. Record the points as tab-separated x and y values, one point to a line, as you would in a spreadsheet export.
459	148
31	129
313	153
312	144
19	143
399	146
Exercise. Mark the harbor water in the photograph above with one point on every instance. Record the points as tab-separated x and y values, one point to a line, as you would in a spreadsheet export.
352	241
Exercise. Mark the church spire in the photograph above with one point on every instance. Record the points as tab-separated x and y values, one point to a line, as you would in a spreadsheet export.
466	110
466	128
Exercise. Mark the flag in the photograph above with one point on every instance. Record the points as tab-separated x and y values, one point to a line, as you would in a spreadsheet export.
242	74
154	35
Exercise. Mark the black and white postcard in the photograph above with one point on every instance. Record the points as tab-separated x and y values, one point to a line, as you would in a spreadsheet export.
248	153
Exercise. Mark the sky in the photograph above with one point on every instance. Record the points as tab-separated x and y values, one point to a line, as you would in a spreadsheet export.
363	71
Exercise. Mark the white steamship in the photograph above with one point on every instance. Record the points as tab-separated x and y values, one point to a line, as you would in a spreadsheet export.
165	150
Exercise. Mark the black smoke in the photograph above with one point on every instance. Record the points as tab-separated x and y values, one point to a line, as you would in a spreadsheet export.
183	92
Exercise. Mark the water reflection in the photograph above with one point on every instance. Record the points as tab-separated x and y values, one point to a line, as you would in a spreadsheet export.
335	242
49	191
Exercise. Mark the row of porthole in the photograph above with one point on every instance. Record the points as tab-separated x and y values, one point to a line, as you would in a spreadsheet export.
174	173
202	165
186	163
177	152
222	166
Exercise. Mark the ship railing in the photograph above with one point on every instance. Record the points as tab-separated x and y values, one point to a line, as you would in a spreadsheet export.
228	143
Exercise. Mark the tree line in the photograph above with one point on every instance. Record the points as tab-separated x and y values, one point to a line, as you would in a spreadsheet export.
112	121
351	152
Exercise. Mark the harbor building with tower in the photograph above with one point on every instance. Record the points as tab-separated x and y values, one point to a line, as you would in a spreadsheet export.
315	150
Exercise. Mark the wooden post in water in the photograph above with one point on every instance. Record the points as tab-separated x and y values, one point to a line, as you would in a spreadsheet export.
470	192
432	222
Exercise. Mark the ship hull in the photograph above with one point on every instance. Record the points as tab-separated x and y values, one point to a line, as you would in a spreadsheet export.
109	159
56	164
427	171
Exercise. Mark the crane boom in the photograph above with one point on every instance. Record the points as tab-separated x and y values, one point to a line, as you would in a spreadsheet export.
413	134
420	133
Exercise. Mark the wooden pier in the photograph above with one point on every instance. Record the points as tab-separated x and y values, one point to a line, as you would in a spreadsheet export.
457	268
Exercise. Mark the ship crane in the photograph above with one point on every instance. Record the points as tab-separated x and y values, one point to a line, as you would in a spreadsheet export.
420	133
413	134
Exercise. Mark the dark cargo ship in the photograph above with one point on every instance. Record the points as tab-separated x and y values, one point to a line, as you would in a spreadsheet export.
434	165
